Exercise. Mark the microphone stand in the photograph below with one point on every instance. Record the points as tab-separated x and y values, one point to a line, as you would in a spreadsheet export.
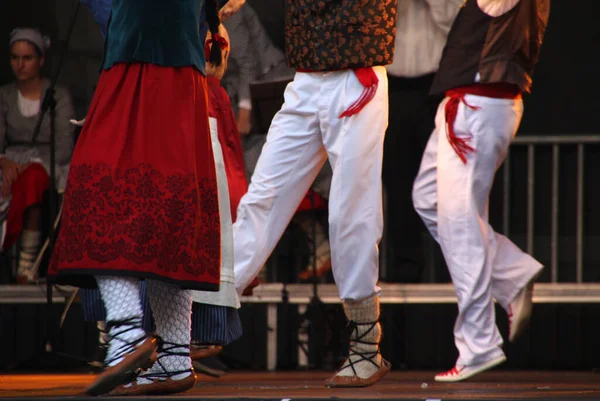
49	355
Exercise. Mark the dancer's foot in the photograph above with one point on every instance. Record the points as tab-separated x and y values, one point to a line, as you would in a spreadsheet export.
459	373
165	376
519	311
125	356
361	377
364	366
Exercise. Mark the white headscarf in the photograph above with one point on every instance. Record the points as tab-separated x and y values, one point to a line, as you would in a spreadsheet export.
31	35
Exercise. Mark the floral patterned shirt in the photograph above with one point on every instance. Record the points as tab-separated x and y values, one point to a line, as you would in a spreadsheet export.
326	35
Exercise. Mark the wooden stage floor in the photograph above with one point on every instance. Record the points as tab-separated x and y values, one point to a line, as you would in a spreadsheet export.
497	385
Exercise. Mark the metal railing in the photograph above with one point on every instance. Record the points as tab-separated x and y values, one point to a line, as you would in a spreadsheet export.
532	143
555	142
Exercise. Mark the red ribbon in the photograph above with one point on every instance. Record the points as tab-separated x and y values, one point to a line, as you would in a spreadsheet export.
460	145
216	38
457	95
367	77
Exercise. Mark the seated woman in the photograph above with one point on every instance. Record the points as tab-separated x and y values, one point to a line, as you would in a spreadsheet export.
24	167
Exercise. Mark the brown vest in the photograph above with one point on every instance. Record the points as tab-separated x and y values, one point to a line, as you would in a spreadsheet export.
327	35
499	49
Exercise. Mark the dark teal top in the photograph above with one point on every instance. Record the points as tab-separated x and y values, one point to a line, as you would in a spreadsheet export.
161	32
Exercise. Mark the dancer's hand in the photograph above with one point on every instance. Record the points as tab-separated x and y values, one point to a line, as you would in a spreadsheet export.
10	172
230	8
243	121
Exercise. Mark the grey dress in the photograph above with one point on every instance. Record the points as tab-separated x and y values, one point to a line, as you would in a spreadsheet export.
16	134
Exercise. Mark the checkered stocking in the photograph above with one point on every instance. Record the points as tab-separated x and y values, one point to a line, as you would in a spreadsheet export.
121	298
172	310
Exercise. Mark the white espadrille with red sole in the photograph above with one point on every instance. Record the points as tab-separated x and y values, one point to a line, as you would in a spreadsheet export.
460	373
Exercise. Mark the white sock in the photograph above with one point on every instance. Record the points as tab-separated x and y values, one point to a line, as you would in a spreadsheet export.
30	244
172	310
121	296
364	317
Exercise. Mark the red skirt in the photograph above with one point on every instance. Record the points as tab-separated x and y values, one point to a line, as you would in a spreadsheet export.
141	197
28	190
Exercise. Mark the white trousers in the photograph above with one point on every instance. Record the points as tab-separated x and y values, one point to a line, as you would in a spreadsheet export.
452	199
302	135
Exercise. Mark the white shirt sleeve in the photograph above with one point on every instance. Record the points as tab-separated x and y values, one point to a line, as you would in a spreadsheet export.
495	8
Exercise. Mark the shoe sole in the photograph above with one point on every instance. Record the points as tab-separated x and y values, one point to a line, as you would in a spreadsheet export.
116	375
355	381
489	365
157	387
